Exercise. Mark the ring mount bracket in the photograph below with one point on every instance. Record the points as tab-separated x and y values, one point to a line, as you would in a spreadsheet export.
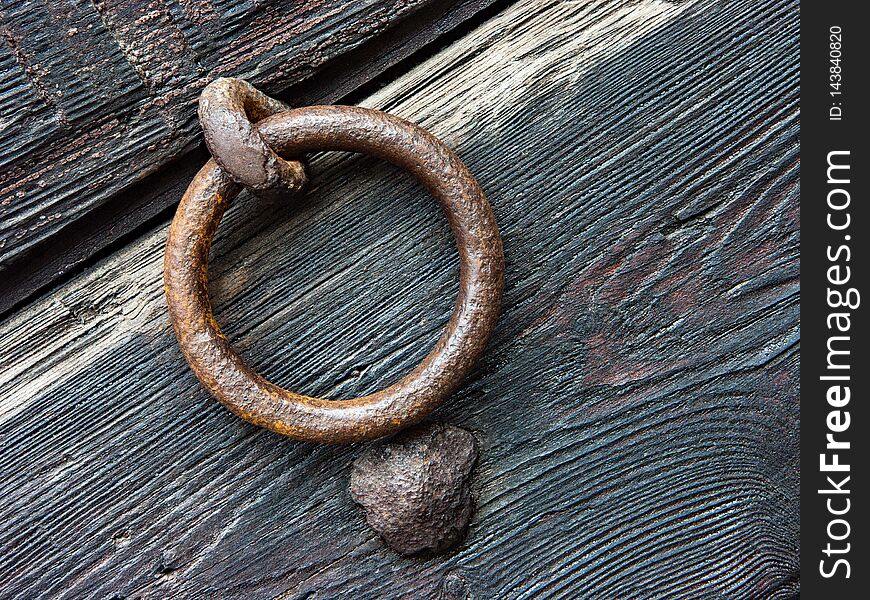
228	112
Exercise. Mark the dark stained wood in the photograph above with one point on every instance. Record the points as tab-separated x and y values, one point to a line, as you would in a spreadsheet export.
98	99
637	410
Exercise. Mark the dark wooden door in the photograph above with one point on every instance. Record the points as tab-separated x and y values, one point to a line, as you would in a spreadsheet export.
637	410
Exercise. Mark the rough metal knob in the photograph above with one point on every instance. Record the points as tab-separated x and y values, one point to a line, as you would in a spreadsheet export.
416	489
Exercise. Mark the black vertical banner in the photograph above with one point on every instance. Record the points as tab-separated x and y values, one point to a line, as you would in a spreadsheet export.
835	422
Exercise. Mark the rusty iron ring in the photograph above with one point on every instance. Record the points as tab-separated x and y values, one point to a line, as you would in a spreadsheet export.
223	372
229	108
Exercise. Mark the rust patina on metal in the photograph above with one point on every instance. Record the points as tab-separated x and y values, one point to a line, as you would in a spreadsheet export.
228	111
416	489
293	133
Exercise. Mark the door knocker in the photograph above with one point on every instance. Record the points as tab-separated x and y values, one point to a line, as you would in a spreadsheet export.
248	134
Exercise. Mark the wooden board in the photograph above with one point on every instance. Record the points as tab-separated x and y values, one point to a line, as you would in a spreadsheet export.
637	410
97	99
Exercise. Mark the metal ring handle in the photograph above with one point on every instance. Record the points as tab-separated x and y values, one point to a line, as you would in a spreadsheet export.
481	274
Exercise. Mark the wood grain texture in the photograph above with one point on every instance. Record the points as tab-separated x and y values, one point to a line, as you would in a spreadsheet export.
97	96
637	410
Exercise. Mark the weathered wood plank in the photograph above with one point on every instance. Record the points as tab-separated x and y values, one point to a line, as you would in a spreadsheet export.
94	97
637	410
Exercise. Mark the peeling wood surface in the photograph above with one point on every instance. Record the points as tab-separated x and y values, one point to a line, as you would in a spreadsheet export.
637	411
96	96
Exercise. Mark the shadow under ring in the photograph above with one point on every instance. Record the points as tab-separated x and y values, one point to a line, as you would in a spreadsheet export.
481	277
